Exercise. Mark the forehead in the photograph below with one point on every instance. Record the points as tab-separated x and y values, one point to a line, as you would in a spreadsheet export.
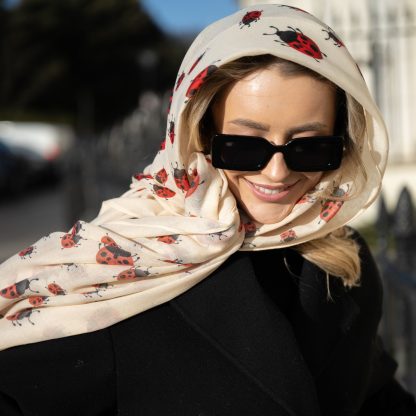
270	97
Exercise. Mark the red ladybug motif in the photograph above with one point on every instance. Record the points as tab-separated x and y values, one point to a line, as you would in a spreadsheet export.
140	176
331	35
55	289
163	192
179	262
288	235
162	144
112	254
169	239
27	252
18	289
194	183
162	176
295	39
196	63
38	300
249	228
331	207
132	274
179	81
171	132
199	80
250	17
306	199
72	238
181	179
98	288
19	316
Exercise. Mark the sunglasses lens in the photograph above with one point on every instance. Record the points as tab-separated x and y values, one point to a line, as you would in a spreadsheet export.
238	153
314	154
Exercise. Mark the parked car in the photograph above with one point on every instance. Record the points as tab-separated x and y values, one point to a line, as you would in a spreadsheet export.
41	145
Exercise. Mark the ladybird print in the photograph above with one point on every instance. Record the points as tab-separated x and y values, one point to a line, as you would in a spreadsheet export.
169	239
218	235
194	183
163	192
196	63
18	289
333	37
331	207
181	179
112	254
38	300
249	228
179	81
161	176
179	262
132	274
171	131
250	17
140	176
99	287
199	80
295	39
72	238
55	289
306	199
287	236
27	252
23	314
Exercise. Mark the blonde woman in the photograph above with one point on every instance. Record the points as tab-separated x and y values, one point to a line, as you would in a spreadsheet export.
225	281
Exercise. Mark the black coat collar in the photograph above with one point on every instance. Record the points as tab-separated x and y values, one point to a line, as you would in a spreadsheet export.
238	317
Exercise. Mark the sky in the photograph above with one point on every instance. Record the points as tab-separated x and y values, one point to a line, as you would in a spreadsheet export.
182	16
188	16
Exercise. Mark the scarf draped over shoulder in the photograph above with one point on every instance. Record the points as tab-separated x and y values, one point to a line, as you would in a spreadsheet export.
179	221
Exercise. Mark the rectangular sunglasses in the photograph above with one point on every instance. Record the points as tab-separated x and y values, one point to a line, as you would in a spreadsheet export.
251	153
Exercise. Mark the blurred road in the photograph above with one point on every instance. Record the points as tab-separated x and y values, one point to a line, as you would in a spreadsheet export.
27	218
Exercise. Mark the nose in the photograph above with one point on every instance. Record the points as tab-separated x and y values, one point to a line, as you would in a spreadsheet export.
276	170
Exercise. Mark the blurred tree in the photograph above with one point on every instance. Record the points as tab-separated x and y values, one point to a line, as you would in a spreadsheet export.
82	58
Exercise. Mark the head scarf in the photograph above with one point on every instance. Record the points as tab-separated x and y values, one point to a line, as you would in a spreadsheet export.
179	221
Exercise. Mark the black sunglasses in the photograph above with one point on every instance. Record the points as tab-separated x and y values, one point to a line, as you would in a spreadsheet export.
250	153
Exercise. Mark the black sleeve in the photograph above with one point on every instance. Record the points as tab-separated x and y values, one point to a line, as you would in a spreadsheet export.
9	406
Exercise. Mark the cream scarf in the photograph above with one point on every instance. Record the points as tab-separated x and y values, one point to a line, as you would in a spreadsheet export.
179	221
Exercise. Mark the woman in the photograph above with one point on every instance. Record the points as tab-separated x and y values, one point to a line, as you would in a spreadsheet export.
168	302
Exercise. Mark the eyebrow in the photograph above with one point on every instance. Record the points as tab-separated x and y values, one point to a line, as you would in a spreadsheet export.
313	126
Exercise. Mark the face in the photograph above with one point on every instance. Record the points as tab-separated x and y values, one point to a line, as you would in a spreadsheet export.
278	108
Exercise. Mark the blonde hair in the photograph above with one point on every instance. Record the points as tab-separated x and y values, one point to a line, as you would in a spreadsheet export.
337	254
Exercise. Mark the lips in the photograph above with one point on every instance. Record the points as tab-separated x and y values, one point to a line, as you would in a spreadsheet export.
269	193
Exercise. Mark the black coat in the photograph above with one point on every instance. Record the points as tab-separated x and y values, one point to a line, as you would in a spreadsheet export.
222	348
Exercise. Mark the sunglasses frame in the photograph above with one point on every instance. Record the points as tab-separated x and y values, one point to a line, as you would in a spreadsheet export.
219	140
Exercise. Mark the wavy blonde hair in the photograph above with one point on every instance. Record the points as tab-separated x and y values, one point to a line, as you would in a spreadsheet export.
337	254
